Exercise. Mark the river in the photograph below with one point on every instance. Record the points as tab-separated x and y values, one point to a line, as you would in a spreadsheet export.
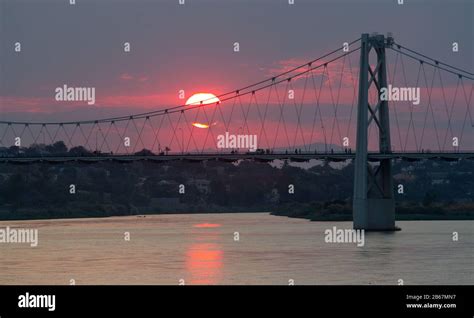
234	248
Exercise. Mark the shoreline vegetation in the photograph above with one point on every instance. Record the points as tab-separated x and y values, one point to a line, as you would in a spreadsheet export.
316	190
411	212
329	211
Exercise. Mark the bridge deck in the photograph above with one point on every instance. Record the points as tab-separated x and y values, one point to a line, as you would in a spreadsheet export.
228	157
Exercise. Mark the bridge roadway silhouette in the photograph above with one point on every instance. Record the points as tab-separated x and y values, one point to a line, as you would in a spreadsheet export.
234	157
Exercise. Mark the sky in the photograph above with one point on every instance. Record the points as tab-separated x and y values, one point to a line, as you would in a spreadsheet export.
190	47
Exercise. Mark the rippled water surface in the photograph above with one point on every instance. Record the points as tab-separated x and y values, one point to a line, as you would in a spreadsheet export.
201	249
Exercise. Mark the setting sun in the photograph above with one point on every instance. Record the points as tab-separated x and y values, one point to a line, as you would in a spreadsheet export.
199	125
205	98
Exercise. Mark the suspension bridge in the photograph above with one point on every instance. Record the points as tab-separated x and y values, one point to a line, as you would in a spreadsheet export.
330	108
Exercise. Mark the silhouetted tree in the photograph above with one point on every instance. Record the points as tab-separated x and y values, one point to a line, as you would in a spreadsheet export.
79	151
429	198
58	148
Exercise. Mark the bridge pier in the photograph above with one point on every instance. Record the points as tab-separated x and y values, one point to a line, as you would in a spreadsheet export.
373	199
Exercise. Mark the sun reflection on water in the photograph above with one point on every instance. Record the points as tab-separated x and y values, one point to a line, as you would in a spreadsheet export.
204	260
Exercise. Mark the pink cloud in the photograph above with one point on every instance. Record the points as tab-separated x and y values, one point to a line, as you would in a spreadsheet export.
126	77
129	77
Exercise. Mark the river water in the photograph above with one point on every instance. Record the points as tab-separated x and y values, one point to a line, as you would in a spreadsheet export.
203	249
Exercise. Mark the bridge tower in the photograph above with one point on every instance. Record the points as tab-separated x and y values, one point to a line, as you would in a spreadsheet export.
373	199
